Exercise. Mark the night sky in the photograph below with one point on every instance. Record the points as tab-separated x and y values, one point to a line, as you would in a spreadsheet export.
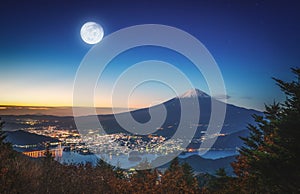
251	41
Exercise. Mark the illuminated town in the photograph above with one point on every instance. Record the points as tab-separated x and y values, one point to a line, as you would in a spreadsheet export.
112	144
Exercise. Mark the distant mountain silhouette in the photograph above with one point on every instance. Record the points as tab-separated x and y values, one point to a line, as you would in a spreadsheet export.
200	164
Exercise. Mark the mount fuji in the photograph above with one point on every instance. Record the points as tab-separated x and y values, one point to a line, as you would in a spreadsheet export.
235	123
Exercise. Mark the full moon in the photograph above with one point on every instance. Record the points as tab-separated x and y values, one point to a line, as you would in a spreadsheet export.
91	33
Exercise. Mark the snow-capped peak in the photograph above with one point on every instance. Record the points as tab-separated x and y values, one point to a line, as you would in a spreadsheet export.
194	93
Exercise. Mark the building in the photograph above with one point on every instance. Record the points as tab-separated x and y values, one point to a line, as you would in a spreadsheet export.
34	145
37	152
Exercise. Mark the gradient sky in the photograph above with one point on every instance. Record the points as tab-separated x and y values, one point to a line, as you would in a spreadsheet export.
251	41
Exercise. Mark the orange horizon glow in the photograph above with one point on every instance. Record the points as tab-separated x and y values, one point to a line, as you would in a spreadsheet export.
65	100
4	106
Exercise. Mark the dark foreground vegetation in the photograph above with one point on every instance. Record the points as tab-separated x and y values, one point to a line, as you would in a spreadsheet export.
268	163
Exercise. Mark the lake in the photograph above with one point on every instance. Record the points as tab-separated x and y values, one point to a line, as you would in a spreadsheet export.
123	162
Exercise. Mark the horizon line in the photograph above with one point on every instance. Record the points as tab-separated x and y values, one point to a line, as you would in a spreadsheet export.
64	106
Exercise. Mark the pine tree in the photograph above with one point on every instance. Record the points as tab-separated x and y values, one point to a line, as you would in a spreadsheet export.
220	183
174	166
2	134
179	179
188	174
48	154
269	161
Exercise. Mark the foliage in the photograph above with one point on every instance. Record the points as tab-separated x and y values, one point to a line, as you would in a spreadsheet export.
269	161
179	178
21	174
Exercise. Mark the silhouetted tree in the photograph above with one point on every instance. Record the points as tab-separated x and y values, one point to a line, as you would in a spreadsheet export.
178	179
48	154
188	174
220	183
269	161
2	135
